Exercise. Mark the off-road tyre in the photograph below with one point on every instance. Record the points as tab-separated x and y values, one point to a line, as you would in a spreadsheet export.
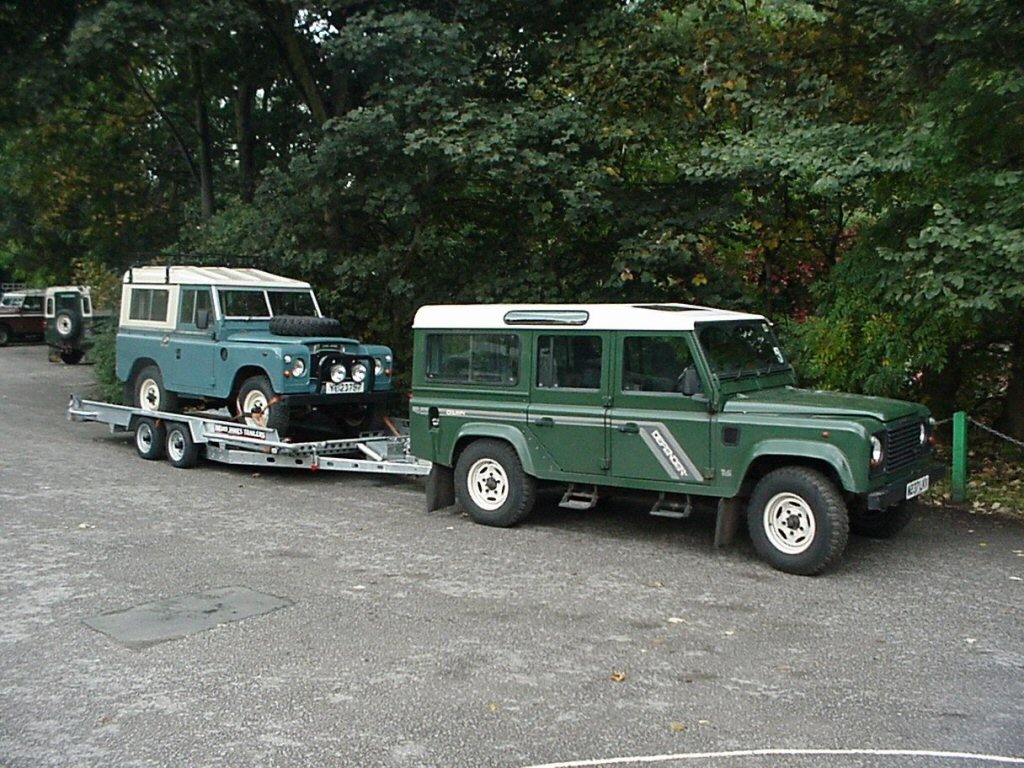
798	520
149	393
491	486
300	325
5	335
181	450
68	324
880	523
260	406
150	436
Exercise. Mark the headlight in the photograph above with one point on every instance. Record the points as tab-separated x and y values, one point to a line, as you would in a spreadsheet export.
877	454
359	373
299	368
923	436
378	366
338	373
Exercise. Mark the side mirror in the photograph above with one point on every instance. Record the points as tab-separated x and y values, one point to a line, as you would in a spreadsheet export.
203	319
689	382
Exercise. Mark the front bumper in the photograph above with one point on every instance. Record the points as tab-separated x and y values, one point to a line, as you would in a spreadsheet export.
896	491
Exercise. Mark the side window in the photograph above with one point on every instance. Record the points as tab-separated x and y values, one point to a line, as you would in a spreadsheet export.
49	306
569	361
654	363
33	304
473	358
193	301
148	304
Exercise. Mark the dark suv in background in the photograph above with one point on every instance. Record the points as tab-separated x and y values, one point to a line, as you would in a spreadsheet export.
21	316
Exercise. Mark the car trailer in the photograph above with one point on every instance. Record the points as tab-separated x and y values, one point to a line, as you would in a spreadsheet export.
184	437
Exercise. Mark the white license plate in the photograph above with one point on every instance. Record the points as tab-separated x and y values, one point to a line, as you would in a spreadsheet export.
348	386
917	487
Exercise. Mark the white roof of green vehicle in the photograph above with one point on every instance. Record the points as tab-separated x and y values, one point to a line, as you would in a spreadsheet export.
634	317
230	277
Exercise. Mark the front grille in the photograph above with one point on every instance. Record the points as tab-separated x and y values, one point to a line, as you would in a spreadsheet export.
903	445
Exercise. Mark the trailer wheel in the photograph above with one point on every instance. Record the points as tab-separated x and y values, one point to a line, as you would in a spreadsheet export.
149	438
182	450
491	485
798	520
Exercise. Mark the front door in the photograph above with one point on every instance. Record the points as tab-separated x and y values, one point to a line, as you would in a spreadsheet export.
568	408
657	432
191	346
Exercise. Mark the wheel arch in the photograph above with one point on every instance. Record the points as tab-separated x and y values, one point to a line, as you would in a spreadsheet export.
472	432
828	460
244	373
138	365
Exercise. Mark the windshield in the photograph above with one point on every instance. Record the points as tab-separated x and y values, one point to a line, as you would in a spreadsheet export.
739	349
237	302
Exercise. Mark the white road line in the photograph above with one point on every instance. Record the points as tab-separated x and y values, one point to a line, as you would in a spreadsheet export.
649	759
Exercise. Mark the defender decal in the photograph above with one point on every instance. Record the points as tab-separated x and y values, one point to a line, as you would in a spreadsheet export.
669	453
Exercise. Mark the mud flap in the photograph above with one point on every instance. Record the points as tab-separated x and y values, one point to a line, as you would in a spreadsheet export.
728	522
440	487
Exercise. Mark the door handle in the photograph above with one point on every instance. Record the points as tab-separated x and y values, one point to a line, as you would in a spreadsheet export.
629	426
544	421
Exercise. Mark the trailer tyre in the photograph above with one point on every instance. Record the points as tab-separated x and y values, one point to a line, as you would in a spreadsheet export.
182	450
798	520
149	438
491	485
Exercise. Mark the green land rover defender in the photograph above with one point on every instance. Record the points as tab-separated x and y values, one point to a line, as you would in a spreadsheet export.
680	401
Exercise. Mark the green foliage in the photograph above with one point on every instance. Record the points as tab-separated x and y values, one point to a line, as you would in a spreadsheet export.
852	168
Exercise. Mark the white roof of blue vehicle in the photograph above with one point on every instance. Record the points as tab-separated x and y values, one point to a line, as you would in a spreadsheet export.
229	277
607	317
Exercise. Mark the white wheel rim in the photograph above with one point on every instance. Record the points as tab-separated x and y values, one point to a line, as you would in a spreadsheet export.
64	325
144	438
175	445
255	408
488	484
149	395
789	523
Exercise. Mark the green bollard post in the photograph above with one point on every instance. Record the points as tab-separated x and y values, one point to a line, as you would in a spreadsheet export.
959	478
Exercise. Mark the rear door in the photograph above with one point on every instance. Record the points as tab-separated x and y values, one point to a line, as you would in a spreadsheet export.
656	432
568	408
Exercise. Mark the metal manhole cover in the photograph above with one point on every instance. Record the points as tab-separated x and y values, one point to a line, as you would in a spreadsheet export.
178	617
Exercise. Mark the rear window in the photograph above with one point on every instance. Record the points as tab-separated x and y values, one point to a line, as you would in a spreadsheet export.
473	358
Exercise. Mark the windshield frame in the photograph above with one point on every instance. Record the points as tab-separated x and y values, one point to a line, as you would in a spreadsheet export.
266	293
754	372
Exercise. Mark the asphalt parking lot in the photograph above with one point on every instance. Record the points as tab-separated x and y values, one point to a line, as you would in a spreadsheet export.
400	638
